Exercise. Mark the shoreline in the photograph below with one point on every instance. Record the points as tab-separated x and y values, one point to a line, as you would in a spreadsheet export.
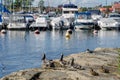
81	70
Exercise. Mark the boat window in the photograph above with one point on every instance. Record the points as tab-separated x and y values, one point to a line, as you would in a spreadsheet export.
70	6
66	12
114	15
84	16
80	23
17	19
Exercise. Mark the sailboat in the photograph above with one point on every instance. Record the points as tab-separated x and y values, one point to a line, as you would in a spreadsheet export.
4	12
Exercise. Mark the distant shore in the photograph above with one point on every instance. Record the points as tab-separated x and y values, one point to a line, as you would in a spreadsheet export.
100	64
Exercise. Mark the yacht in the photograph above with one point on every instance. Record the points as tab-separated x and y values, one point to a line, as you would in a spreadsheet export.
111	22
60	23
83	21
40	22
19	21
68	10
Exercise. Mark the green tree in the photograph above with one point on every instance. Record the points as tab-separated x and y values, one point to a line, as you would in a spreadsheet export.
23	3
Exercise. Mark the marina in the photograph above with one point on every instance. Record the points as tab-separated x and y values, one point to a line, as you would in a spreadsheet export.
27	32
23	49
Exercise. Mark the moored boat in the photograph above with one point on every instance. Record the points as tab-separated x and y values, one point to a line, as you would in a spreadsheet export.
111	22
60	23
83	21
39	23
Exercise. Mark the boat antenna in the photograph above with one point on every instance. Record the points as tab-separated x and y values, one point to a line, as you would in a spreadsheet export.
69	2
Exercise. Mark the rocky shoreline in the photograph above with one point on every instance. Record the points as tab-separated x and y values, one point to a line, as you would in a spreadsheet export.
100	64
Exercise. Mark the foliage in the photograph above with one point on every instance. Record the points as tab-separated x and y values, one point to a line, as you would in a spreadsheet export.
23	3
84	9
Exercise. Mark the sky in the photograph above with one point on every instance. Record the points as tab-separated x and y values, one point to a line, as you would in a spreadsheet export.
80	3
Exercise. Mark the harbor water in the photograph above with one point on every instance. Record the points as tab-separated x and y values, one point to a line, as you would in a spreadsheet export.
23	49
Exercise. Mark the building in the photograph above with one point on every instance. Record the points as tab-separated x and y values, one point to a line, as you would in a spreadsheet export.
116	7
106	10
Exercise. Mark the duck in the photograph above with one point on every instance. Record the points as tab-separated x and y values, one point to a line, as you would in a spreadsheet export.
61	58
45	62
103	70
75	66
72	62
62	61
44	57
51	64
93	72
89	51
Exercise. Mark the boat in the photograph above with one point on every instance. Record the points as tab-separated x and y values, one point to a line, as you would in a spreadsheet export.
17	21
95	14
60	23
83	21
111	22
4	16
68	10
40	23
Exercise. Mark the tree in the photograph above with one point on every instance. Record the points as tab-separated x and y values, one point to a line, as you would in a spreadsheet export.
23	3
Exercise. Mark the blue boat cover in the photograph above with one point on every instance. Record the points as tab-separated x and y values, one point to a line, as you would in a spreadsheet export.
78	14
0	18
94	11
83	13
3	9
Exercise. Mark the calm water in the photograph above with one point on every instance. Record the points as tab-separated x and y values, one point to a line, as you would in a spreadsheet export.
23	50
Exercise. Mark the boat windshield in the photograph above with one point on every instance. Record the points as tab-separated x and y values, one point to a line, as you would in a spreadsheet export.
17	19
84	17
83	23
114	15
69	6
69	12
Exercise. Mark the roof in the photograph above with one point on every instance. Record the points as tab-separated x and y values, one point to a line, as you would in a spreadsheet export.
69	6
104	9
117	5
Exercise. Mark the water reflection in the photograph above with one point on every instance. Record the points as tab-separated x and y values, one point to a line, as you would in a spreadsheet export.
23	49
109	38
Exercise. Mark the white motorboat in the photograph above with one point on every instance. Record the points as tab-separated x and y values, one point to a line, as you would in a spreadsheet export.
83	21
111	22
40	23
17	21
68	10
20	21
60	23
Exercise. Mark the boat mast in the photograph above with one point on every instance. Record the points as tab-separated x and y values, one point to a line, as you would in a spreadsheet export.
69	2
106	3
13	6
